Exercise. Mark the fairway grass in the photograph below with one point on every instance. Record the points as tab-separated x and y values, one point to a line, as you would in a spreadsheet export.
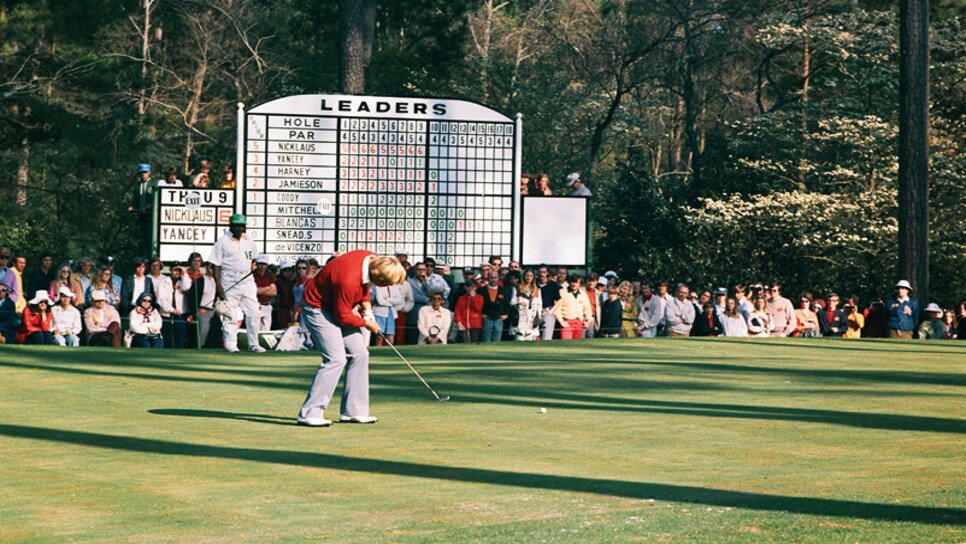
657	440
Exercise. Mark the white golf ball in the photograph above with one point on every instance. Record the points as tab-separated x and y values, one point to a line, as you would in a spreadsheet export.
543	410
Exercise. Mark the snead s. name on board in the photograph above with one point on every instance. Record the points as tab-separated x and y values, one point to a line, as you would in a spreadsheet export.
381	106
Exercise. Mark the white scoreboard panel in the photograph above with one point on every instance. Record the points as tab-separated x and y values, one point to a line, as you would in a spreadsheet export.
427	177
555	230
191	220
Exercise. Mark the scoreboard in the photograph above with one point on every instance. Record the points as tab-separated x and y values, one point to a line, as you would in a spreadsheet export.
426	177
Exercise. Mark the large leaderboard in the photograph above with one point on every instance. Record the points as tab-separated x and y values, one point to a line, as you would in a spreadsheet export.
426	177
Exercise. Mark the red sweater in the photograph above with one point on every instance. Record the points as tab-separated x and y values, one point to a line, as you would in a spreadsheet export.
469	313
338	288
33	322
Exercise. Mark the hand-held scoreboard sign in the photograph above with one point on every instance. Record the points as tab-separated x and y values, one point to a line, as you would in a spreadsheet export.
191	220
426	177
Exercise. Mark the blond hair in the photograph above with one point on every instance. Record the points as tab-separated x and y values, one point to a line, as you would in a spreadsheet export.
385	271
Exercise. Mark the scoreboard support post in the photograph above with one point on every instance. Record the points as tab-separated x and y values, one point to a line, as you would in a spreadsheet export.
240	159
517	173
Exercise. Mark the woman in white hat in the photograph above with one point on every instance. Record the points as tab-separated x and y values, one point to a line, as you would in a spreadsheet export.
37	321
933	327
66	326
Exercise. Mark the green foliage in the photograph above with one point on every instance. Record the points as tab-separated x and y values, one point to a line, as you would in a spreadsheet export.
676	113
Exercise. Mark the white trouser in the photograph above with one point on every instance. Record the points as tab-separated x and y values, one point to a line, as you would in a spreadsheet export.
266	312
241	297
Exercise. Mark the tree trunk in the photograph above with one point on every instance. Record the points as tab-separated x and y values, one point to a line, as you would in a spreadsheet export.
23	171
806	72
914	145
355	17
481	42
145	56
197	88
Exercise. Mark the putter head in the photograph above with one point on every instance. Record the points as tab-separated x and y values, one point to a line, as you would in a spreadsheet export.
443	398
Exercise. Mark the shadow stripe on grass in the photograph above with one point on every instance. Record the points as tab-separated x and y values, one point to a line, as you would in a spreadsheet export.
617	488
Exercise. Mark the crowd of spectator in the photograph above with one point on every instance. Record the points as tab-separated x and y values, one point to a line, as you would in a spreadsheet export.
539	185
80	303
495	303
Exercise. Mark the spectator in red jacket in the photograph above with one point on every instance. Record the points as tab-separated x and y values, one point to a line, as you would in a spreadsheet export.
336	307
37	320
469	313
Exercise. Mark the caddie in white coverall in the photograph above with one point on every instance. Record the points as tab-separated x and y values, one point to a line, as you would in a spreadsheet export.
232	256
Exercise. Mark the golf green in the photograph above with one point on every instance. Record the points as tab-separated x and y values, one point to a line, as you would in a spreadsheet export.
657	440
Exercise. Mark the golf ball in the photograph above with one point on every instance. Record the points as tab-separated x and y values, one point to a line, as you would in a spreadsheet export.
543	410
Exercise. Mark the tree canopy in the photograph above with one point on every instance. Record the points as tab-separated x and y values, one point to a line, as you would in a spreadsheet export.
723	139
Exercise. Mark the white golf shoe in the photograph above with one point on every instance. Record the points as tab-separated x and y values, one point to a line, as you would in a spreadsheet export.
357	419
231	349
314	421
256	349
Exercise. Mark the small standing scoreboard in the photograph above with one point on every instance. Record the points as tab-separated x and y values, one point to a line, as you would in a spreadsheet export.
426	177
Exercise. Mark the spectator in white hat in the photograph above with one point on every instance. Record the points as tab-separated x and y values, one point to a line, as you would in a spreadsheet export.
66	325
903	312
577	187
932	328
102	322
37	320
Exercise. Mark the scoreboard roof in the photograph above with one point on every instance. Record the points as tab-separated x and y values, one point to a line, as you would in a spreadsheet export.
339	105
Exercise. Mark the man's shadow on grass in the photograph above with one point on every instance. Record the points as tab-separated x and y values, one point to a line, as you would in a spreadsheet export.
215	414
606	487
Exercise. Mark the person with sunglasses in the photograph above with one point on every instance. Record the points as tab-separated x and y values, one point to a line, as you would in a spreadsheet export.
8	277
781	311
8	316
102	322
146	324
37	321
65	278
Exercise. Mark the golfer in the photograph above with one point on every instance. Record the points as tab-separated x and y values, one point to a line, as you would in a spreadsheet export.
232	256
335	309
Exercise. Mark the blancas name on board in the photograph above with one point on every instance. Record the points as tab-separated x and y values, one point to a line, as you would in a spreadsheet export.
294	222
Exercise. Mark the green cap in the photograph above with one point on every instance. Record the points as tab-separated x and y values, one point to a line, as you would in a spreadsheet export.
238	219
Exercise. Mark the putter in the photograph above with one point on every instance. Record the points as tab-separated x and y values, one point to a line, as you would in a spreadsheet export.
443	398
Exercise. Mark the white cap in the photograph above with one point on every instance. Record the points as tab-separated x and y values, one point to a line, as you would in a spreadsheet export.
602	281
933	307
286	263
903	283
610	274
262	259
573	177
65	291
